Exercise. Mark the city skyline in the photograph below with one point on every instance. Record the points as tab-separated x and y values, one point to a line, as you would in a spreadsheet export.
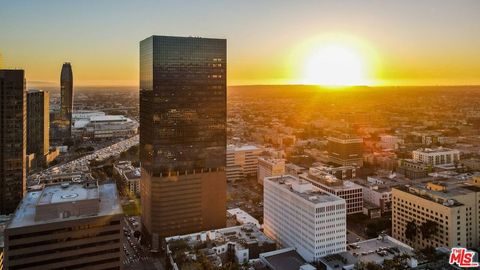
397	43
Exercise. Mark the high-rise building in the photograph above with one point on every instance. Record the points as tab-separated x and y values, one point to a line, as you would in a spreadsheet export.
345	150
182	135
66	98
38	125
297	214
66	226
437	214
269	167
242	162
13	140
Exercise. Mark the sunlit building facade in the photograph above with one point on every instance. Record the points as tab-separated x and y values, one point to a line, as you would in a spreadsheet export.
182	135
437	214
13	140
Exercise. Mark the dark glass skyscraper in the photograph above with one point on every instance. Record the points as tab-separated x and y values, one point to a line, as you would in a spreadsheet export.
182	134
13	142
66	99
38	125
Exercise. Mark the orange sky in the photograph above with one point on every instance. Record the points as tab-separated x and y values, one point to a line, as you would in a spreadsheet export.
431	42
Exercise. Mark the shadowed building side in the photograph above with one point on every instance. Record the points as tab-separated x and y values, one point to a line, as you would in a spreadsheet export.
13	143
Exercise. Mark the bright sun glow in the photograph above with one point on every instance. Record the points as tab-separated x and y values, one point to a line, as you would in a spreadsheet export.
335	60
335	65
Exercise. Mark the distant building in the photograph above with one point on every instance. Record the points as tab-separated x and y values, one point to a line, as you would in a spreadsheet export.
104	127
130	176
345	150
66	98
351	192
437	156
297	214
13	139
242	162
293	169
342	172
242	243
377	191
66	226
413	169
447	209
390	142
38	126
183	138
269	167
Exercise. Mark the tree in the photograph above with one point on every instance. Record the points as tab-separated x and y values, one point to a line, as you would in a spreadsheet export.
428	229
411	230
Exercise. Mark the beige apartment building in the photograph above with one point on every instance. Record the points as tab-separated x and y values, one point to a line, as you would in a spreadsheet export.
66	226
450	204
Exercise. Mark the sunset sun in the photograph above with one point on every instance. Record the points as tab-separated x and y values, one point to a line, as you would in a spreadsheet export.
335	65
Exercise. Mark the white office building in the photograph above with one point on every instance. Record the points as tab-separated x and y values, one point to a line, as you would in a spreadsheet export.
436	156
269	167
297	214
242	162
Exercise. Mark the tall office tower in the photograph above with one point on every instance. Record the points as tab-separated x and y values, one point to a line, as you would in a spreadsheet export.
13	140
182	135
66	99
38	125
66	226
345	150
437	214
297	214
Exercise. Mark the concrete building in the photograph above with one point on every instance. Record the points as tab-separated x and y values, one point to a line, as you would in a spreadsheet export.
104	127
376	250
269	167
243	243
348	190
437	156
243	217
438	214
345	150
38	126
284	259
183	136
377	190
129	174
66	226
413	169
390	142
13	139
297	214
242	162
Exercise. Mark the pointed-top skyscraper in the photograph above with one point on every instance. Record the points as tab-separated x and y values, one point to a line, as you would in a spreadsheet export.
66	91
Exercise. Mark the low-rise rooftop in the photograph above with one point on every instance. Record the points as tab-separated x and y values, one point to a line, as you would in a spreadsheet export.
303	189
59	202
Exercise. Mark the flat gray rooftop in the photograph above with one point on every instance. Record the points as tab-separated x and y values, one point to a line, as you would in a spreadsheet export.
315	195
107	195
289	260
